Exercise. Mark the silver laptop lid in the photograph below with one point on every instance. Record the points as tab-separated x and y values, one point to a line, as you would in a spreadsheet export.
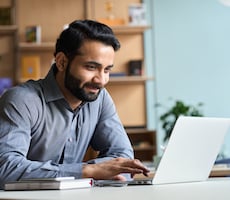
192	149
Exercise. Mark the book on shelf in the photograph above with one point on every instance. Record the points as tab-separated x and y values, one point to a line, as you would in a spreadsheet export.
30	67
5	83
60	183
33	34
5	16
117	74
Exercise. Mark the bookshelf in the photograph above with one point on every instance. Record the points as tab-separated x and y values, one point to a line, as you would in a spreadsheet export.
8	39
128	92
44	46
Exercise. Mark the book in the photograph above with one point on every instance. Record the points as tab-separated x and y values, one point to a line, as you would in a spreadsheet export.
5	16
5	83
60	183
33	34
30	67
117	74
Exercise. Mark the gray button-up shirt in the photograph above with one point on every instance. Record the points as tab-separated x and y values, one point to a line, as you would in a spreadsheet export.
41	136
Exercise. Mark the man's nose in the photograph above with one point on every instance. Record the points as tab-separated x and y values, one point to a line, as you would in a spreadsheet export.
101	78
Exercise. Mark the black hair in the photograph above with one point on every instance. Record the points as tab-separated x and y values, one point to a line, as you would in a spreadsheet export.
72	38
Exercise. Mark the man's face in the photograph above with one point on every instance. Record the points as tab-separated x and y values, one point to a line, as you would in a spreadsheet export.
88	73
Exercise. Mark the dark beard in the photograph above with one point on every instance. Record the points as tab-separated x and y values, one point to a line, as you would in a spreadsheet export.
73	85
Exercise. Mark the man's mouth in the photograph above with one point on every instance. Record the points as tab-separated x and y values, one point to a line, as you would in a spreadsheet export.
93	88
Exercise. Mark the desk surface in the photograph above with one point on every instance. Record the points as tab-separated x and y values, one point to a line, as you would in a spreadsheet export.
213	189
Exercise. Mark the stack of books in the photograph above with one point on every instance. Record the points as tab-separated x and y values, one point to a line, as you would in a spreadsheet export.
49	184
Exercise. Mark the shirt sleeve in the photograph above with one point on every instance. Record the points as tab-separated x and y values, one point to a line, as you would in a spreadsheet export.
110	137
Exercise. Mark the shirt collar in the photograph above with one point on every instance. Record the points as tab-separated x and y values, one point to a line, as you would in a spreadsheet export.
50	86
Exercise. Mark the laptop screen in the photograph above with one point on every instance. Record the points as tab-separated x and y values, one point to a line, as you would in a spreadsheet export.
192	149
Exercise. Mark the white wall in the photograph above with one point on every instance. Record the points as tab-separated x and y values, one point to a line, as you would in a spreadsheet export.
192	56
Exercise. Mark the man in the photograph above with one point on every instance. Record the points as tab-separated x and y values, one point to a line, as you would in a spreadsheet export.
47	125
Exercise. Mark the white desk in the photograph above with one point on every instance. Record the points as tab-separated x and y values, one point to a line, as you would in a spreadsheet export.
208	190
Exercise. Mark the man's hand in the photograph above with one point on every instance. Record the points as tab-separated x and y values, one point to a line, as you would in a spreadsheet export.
113	168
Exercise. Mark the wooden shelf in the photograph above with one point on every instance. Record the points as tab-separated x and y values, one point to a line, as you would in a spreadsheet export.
8	29
129	29
118	80
44	46
128	79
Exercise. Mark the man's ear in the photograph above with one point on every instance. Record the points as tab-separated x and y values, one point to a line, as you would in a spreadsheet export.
61	61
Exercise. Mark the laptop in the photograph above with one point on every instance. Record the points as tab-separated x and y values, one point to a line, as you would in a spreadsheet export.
190	153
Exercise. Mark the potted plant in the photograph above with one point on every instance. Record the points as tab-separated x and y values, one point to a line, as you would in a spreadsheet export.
169	118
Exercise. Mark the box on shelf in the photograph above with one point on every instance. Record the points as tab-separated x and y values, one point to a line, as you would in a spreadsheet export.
135	67
30	67
137	14
33	34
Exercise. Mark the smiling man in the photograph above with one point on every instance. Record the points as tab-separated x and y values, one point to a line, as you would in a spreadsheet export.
47	125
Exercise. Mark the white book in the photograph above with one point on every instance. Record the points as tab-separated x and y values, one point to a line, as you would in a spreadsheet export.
49	184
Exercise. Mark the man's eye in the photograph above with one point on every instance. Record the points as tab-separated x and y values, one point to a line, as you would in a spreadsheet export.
90	67
108	69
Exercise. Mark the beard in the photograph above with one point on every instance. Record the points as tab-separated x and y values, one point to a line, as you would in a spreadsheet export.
73	84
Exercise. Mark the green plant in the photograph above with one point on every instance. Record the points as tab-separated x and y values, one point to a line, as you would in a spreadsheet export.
169	118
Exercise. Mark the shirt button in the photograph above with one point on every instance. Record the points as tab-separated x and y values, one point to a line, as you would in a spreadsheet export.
70	139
